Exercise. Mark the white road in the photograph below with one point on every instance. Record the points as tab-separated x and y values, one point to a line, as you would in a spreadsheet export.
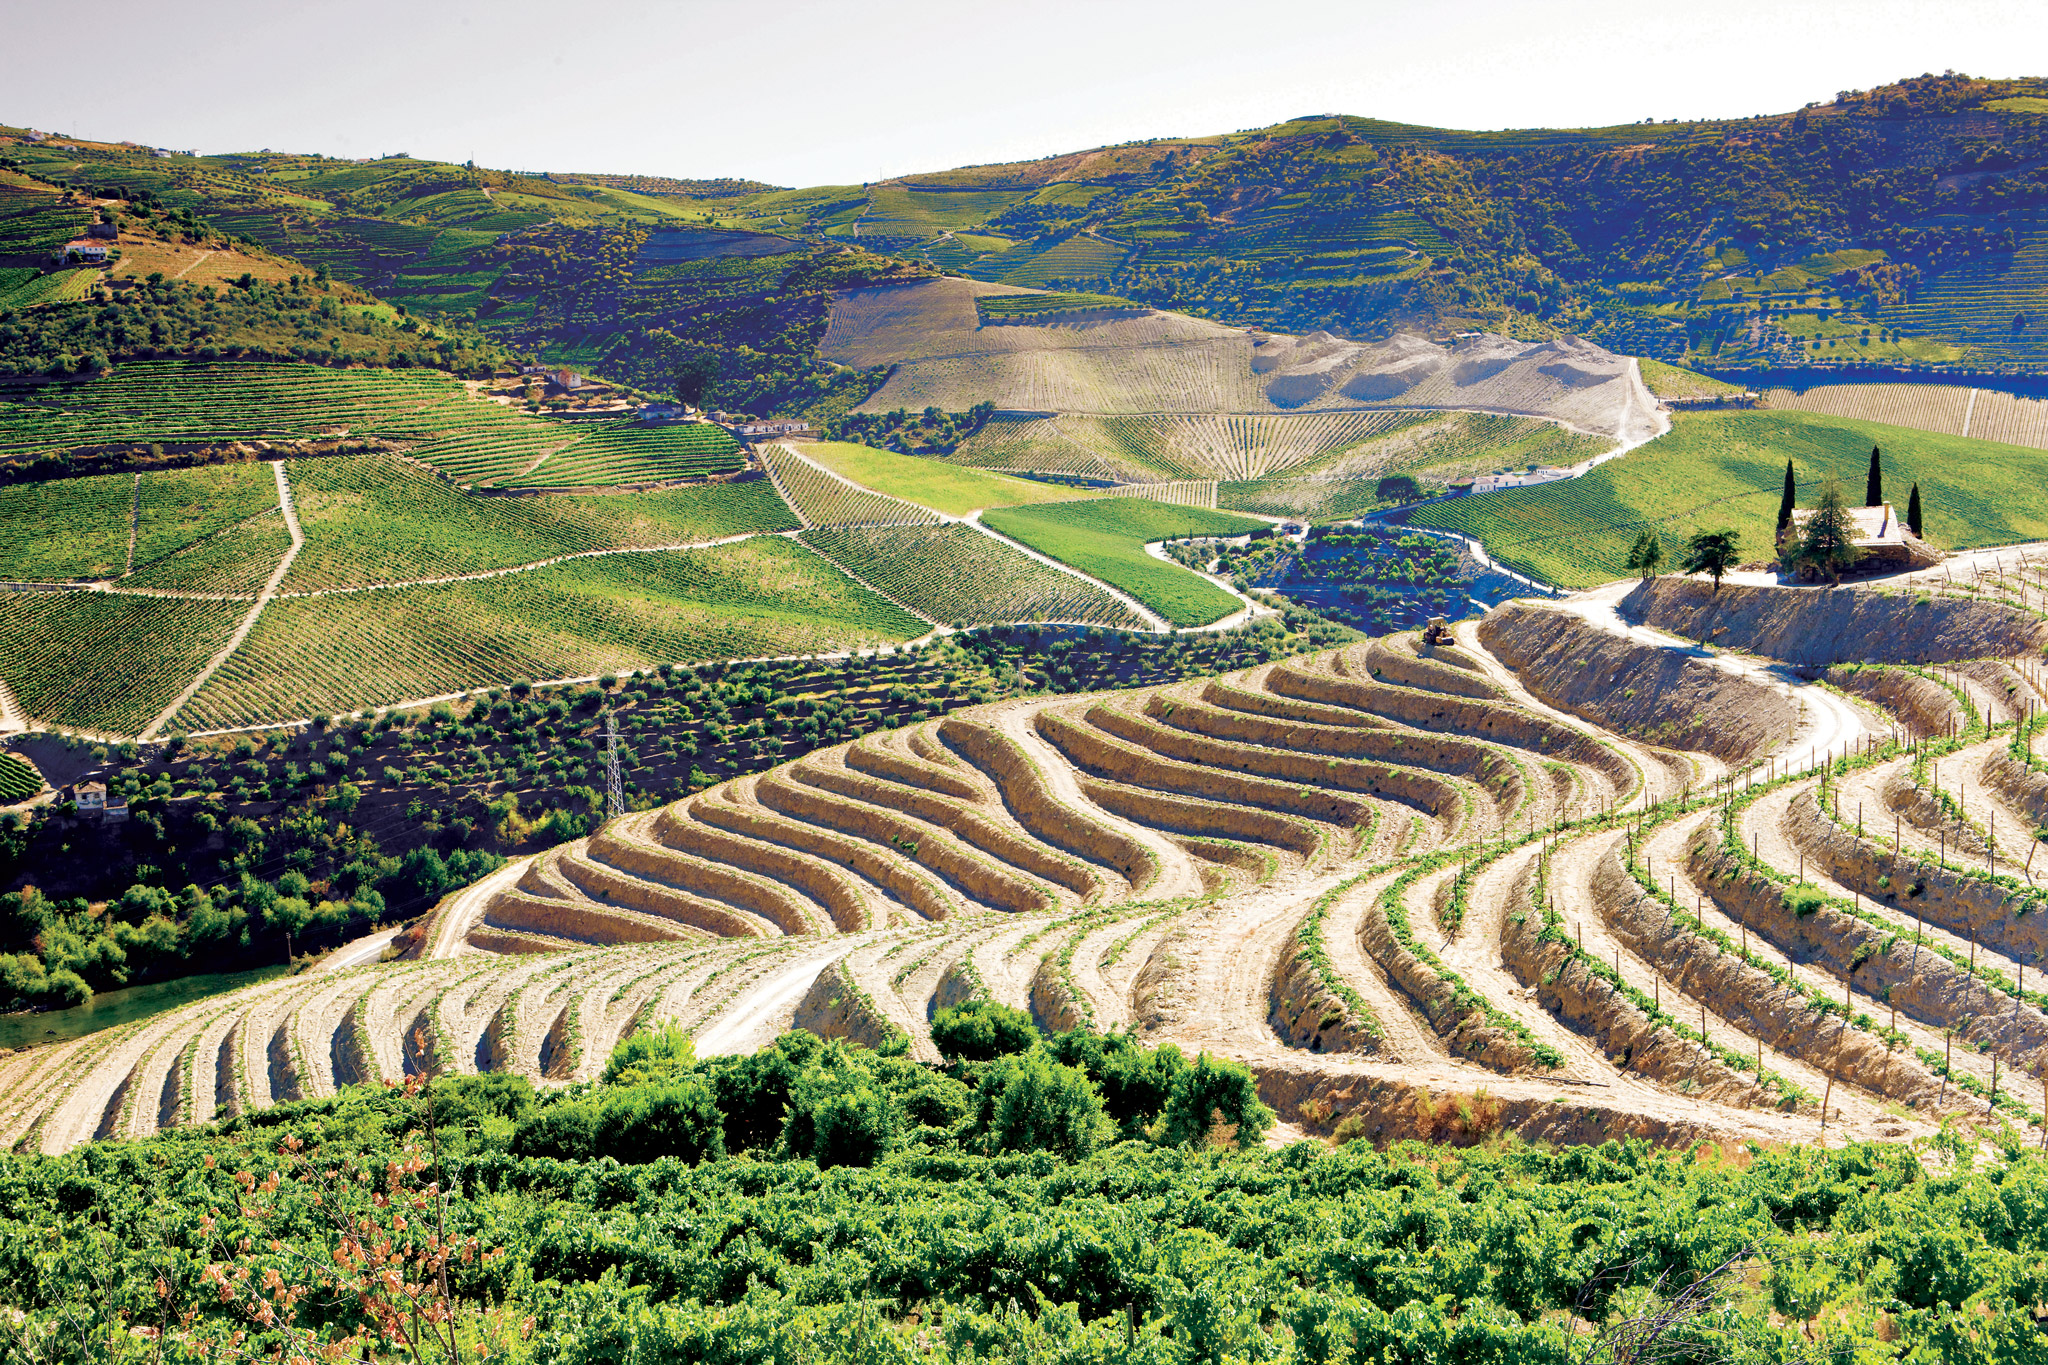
751	1019
368	948
1829	721
453	915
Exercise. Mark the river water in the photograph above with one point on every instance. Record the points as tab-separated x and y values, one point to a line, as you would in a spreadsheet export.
109	1008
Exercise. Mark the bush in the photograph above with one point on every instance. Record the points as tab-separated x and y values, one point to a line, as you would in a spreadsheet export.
467	1101
753	1092
1804	900
1214	1094
1030	1103
564	1131
634	1125
645	1123
839	1116
1133	1082
982	1030
650	1055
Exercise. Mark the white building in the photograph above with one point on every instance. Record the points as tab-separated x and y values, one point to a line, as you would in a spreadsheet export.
1493	483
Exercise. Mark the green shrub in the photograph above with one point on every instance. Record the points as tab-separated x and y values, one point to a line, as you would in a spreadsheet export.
982	1030
839	1121
679	1119
564	1131
1133	1081
651	1054
753	1091
1031	1103
1804	900
1210	1094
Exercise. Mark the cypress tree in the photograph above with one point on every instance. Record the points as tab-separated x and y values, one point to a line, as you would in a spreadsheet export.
1785	504
1913	511
1873	487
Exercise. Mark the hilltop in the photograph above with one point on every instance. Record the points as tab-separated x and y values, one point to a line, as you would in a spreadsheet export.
1901	226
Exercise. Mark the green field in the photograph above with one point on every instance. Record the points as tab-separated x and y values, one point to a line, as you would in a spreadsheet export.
175	507
319	655
627	452
238	559
955	574
822	500
375	519
104	662
1106	537
947	488
1718	470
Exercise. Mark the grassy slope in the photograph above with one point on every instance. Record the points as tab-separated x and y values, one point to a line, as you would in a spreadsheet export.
1672	381
1725	469
1106	537
947	488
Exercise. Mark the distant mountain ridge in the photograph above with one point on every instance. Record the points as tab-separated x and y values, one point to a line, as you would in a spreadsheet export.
1904	227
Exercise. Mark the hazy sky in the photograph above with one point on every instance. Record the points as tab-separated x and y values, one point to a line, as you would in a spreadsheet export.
803	93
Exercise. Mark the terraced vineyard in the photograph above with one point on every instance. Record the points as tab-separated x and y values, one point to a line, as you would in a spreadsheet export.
1174	492
956	574
822	498
1243	449
1985	414
475	440
1975	302
1387	877
628	453
318	655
